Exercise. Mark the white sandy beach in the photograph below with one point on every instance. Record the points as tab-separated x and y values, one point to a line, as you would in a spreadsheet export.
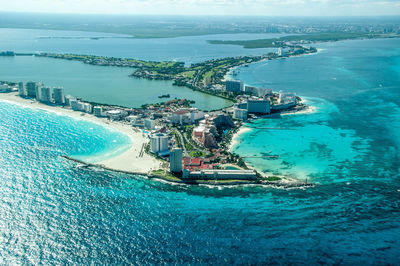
235	137
310	109
128	160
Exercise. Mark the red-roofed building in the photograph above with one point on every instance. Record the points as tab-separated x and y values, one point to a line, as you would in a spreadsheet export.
180	117
193	164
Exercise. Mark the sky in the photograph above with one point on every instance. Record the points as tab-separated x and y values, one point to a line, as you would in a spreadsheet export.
210	7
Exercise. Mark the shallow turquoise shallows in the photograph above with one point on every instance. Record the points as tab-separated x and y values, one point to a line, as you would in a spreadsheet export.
354	132
54	212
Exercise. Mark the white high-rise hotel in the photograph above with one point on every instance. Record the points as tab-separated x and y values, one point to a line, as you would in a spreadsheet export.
158	142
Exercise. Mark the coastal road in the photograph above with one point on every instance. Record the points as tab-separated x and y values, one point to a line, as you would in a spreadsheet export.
183	143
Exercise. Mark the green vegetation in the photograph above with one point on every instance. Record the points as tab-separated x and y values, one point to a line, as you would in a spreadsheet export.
197	154
137	26
271	178
164	96
157	67
315	37
147	148
241	163
178	139
165	175
187	74
188	145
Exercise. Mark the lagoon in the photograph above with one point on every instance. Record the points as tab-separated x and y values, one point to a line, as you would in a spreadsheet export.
102	84
112	85
191	49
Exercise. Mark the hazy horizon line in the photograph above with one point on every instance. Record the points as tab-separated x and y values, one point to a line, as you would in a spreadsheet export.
200	15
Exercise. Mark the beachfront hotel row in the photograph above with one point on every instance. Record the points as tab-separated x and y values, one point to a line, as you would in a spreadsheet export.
194	142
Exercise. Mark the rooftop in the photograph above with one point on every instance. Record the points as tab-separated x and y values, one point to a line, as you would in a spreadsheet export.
181	112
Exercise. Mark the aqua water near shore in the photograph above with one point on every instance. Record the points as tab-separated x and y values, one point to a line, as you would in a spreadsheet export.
124	158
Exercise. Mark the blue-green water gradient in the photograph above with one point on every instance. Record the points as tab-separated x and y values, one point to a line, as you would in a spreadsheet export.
53	212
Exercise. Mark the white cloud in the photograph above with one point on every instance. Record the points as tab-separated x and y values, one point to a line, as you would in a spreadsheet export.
211	7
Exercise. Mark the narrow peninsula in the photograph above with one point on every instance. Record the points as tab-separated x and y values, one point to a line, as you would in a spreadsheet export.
171	140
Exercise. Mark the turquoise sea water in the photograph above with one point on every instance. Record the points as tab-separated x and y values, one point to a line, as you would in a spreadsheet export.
52	212
353	134
308	147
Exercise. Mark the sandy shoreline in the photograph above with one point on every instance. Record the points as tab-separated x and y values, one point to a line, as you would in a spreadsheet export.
128	160
235	137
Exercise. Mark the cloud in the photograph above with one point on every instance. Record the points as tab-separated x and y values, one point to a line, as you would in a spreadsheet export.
211	7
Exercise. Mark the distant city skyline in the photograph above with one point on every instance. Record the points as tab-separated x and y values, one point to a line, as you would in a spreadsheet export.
210	7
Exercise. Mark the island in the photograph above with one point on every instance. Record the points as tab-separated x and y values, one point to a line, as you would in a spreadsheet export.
164	96
304	39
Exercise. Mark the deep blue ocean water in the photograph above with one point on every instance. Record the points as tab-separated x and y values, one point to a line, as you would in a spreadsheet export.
53	212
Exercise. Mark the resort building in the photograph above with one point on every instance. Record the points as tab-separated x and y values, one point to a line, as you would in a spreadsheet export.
5	88
175	161
32	88
282	51
159	142
213	174
38	92
180	117
98	111
222	120
74	104
234	86
258	106
58	95
196	115
80	106
87	108
45	95
240	114
149	124
257	92
138	122
116	114
68	99
285	98
22	90
205	135
195	164
242	105
77	105
285	101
